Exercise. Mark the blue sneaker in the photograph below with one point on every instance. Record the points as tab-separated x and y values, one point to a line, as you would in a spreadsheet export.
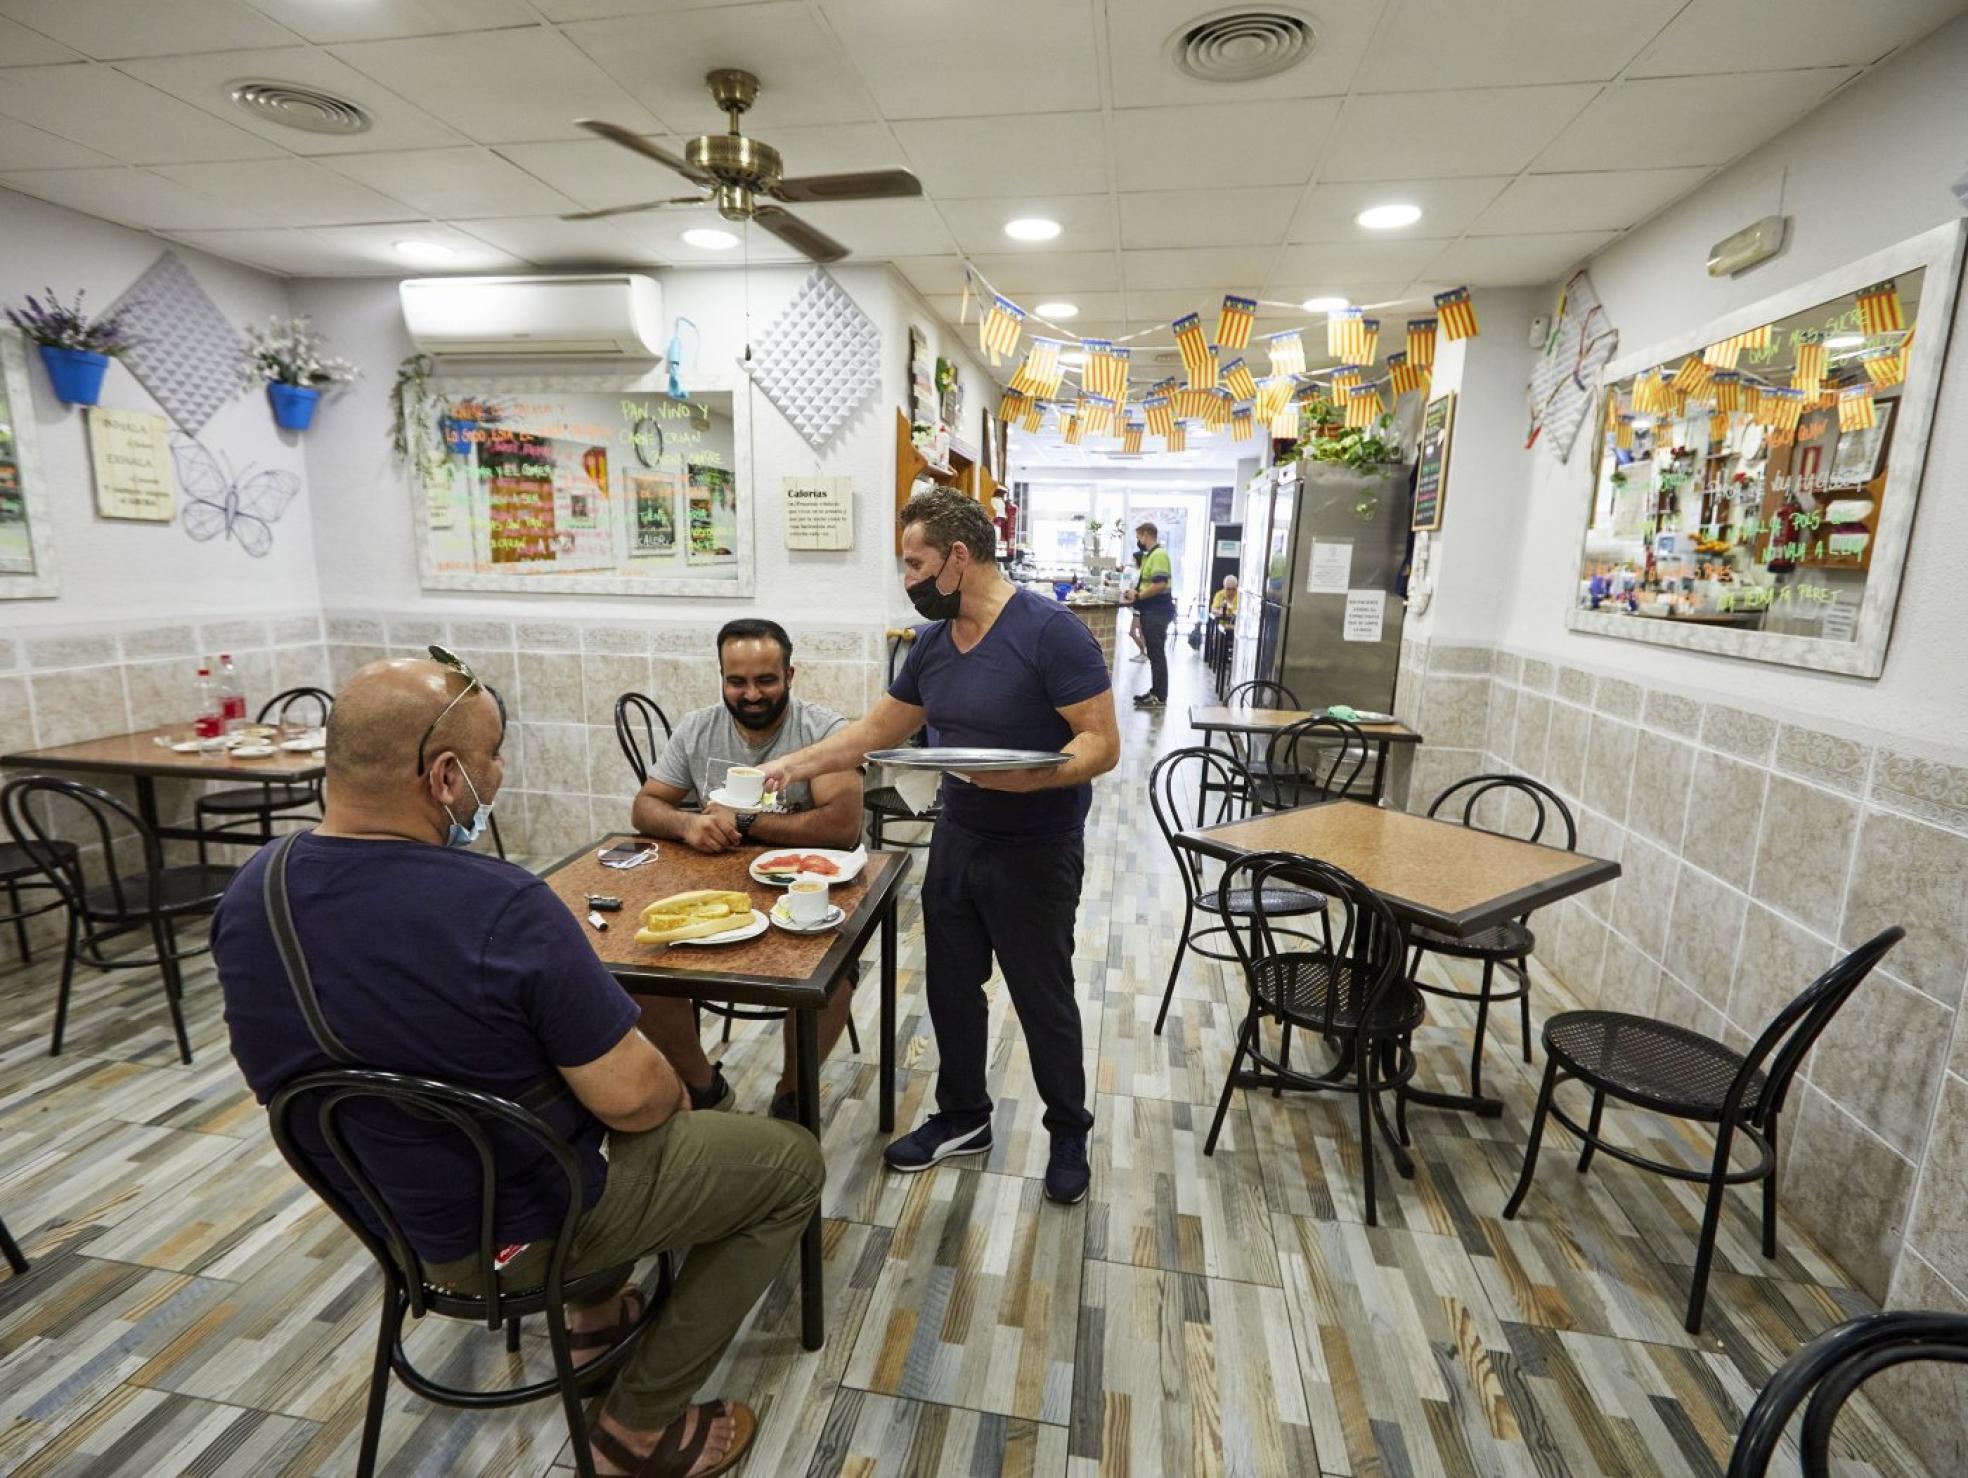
937	1139
1067	1176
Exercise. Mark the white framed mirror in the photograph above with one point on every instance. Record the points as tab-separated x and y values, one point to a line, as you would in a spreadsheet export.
1754	482
27	544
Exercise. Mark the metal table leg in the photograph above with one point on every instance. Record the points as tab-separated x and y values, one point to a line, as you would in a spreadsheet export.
813	1289
891	942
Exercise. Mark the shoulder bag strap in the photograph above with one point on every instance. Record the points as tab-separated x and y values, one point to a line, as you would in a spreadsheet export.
287	939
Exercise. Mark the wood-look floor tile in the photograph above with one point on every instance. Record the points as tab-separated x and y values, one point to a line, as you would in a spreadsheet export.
137	1431
871	1436
1186	1062
100	1177
226	1218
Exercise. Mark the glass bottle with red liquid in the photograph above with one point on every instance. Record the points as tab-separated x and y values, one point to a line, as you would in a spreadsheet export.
232	697
208	721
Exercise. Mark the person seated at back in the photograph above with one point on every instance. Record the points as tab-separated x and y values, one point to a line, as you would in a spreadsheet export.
1223	605
759	719
437	962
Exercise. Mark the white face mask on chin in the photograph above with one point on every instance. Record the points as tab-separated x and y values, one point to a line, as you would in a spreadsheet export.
461	836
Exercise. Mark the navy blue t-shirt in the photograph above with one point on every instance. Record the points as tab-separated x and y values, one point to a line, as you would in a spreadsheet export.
437	963
1006	693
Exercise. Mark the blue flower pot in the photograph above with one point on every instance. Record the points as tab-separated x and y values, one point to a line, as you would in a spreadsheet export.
293	405
76	374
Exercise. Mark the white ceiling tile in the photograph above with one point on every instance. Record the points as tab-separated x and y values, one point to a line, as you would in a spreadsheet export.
1345	264
597	173
1062	272
21	47
1270	143
22	147
346	251
1427	44
1328	212
1515	261
1044	153
546	241
661	61
589	10
1086	222
375	246
932	276
1161	218
1669	121
947	60
112	29
1432	135
1770	35
881	228
98	107
1220	269
295	192
1139	31
1162	305
326	21
269	248
499	86
1608	201
205	81
1106	309
1385	298
453	183
837	148
133	197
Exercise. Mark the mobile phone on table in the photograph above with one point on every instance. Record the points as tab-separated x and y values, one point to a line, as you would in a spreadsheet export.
627	854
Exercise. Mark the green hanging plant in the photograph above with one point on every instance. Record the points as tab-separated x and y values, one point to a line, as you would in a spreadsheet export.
1360	448
415	405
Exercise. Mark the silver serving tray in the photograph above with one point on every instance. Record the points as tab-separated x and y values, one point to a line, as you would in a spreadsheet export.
968	761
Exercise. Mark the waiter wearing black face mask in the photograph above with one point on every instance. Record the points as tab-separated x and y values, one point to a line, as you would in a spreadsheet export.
1002	668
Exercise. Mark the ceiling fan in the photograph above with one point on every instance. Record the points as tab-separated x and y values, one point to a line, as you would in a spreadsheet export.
734	171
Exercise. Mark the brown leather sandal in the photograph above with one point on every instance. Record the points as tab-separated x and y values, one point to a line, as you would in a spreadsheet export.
606	1337
672	1457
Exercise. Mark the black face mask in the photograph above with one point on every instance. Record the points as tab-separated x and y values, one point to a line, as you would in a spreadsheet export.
1142	545
759	716
933	604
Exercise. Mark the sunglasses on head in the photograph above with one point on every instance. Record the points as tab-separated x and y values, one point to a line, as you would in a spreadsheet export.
444	657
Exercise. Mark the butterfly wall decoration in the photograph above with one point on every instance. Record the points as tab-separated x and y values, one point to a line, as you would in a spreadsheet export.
242	505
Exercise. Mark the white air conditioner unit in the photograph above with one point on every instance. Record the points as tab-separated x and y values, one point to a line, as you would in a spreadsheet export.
619	314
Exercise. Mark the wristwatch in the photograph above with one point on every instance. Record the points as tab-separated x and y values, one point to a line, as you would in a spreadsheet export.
744	820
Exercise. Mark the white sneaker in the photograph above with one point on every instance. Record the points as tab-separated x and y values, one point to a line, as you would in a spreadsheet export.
1139	657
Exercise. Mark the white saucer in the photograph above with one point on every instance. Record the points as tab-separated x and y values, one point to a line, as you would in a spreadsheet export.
254	752
833	919
749	930
767	801
305	745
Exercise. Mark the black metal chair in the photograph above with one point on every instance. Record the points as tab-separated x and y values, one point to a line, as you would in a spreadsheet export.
1829	1370
155	900
1510	943
1315	759
1203	773
1258	692
239	807
638	718
21	869
884	804
1348	990
10	1249
406	1289
1673	1070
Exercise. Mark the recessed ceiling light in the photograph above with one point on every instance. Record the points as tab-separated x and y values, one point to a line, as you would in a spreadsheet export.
1057	310
709	238
1073	361
1844	341
1324	305
1387	217
1031	228
424	251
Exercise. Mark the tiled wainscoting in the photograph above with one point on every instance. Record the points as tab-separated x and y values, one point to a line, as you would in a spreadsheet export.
1756	845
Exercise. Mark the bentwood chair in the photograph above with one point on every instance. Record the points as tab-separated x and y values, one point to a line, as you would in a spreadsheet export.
252	809
1829	1370
10	1249
21	871
320	1118
1509	805
1257	692
1672	1070
638	720
884	804
1315	759
154	901
1348	990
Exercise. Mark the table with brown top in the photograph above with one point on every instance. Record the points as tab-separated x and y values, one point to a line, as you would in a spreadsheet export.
794	972
1455	880
1238	718
144	760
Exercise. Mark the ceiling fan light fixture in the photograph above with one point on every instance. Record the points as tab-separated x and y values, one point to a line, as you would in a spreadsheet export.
1057	310
709	238
1031	228
1388	217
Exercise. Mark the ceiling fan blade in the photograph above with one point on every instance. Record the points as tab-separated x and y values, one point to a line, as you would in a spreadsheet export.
790	229
623	210
629	139
871	184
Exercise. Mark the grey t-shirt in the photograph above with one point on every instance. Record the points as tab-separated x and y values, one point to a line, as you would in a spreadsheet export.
708	742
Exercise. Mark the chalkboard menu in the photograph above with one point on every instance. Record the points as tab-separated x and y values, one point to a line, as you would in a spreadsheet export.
1432	463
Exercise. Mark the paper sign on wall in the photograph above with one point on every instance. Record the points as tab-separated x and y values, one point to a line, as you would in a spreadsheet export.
1332	568
1364	609
132	455
819	512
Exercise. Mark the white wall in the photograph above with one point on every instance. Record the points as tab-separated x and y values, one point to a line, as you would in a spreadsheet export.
1871	168
113	570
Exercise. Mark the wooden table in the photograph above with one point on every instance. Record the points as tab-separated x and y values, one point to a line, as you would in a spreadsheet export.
795	972
144	760
1234	719
1455	880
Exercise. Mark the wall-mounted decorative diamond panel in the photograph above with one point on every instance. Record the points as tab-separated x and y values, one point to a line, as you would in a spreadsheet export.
820	359
187	353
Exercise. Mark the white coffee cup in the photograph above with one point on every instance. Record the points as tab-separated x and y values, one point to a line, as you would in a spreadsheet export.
744	784
806	900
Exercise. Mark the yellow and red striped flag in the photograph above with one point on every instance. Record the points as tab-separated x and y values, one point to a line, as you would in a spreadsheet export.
1812	360
1034	415
1218	413
1363	405
1242	423
1287	352
1458	315
1779	408
1421	343
1728	392
1233	323
1694	376
1347	337
1190	403
1011	405
1237	380
1040	374
1879	308
1197	361
1723	355
1273	396
1884	367
1623	437
998	329
1131	438
1106	371
1856	411
1646	387
1161	418
1177	439
1075	429
1098	413
1284	425
1344	380
1402	376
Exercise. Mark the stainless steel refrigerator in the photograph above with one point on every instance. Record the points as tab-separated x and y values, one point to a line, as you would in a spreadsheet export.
1312	534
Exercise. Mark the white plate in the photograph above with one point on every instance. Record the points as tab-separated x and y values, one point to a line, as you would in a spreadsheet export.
254	752
849	863
751	930
833	919
766	803
303	745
